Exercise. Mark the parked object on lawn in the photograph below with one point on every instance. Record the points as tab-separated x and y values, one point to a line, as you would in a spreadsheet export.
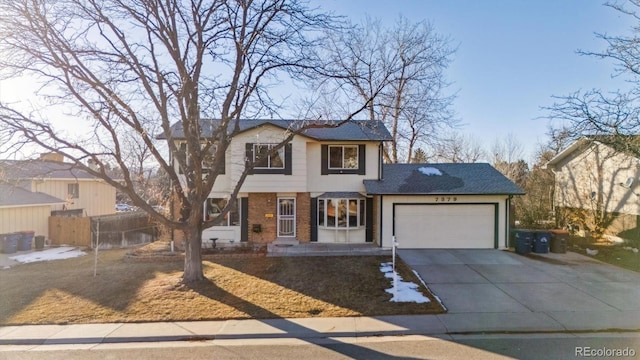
522	241
541	242
559	239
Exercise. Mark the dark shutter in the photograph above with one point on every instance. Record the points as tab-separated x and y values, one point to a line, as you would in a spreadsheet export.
249	155
287	159
362	166
223	164
324	159
369	220
314	219
244	219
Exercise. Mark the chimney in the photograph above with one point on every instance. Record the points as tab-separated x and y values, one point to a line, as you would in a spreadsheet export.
52	157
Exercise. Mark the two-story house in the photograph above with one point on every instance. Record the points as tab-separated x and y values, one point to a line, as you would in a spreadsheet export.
329	185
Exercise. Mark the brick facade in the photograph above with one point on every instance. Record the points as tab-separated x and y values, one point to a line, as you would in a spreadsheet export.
303	217
261	205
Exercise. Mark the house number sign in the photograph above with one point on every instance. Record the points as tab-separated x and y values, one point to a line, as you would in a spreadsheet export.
446	198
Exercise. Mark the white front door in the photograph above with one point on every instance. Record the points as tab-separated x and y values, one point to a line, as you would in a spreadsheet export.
286	217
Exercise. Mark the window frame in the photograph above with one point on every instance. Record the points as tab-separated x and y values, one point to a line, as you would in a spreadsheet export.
206	165
73	190
343	160
269	146
232	216
327	207
325	159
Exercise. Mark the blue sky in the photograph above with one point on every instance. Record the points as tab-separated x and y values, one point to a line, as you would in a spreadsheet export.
512	56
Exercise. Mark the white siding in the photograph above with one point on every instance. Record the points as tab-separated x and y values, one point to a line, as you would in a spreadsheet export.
389	200
95	196
339	182
598	169
34	218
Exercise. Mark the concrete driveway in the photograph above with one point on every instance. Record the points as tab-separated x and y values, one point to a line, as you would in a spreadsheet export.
567	287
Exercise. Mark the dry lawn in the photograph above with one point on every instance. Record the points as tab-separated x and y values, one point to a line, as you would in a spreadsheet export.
65	291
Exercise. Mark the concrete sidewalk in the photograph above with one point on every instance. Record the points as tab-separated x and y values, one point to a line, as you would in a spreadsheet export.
317	328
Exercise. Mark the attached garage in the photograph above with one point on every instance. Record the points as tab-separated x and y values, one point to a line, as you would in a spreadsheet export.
442	206
449	226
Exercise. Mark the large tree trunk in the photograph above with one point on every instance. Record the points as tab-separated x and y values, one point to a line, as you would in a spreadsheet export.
193	255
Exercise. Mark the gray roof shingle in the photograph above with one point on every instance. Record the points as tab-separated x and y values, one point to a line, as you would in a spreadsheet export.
17	196
38	169
356	130
458	179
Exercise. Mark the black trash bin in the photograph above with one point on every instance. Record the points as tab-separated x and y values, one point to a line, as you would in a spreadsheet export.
522	241
559	239
39	242
541	242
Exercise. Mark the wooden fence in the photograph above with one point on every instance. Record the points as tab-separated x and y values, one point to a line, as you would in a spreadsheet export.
70	230
117	230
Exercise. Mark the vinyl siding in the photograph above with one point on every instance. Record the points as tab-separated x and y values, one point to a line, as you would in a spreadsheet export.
95	197
600	169
34	218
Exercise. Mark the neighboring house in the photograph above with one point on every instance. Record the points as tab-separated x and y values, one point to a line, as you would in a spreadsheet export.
596	188
31	189
329	185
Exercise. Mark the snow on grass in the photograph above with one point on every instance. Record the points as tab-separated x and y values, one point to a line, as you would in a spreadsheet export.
430	171
58	253
405	291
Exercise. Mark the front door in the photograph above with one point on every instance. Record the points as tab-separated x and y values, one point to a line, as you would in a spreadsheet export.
286	217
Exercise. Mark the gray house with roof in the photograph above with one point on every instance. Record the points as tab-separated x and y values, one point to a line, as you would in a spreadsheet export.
329	185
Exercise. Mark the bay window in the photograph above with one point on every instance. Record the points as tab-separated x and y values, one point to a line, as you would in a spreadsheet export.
341	213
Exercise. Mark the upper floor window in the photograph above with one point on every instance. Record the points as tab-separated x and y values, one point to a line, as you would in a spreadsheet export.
343	156
263	160
343	159
73	190
208	161
266	160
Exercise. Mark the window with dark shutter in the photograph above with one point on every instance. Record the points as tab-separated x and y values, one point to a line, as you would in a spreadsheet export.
343	159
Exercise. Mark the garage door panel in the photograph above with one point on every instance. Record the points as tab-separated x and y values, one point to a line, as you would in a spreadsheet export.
445	226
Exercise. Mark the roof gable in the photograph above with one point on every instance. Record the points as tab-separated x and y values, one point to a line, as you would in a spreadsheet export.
583	143
453	178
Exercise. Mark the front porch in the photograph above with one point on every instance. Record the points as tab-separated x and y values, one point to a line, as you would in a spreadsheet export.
325	249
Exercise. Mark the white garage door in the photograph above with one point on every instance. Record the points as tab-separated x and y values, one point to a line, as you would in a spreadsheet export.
445	226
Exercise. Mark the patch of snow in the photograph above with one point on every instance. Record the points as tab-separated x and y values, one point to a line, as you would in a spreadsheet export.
430	171
59	253
406	291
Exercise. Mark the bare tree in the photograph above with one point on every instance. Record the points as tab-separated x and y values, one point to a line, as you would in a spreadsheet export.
458	148
407	63
611	112
131	67
508	158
